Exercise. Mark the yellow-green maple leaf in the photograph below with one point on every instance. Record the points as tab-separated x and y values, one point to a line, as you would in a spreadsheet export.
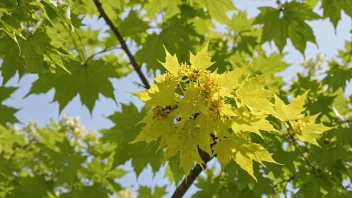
291	111
193	102
206	124
227	110
145	94
242	152
155	128
229	81
240	125
248	122
187	142
223	150
252	94
307	130
161	94
201	61
171	63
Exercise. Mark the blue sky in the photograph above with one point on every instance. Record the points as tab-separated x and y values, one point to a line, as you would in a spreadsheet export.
41	109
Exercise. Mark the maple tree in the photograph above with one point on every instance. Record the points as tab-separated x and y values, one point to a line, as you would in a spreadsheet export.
210	96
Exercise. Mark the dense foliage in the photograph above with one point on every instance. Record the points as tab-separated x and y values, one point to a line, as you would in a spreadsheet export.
222	102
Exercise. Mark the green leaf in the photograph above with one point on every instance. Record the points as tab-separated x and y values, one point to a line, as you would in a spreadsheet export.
41	48
240	22
177	172
124	132
340	102
58	9
207	186
153	7
311	3
332	10
11	63
96	190
7	114
344	53
292	24
247	37
159	192
11	31
337	76
177	35
10	139
50	138
151	51
146	192
29	187
217	9
6	92
72	164
269	64
87	81
112	7
133	25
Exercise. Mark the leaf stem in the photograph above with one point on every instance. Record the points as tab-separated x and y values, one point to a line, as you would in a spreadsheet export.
133	61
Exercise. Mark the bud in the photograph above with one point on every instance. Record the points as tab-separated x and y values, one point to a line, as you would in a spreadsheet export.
326	140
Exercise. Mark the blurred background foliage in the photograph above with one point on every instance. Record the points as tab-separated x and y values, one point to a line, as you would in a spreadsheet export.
52	39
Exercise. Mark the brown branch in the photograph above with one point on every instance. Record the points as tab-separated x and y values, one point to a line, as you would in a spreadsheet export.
187	182
133	61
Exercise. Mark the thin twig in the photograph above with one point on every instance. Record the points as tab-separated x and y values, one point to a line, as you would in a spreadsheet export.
314	169
100	52
299	150
133	61
288	181
285	180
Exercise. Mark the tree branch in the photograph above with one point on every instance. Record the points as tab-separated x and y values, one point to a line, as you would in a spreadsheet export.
187	182
133	61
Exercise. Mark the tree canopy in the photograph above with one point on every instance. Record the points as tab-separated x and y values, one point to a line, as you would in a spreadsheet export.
210	91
